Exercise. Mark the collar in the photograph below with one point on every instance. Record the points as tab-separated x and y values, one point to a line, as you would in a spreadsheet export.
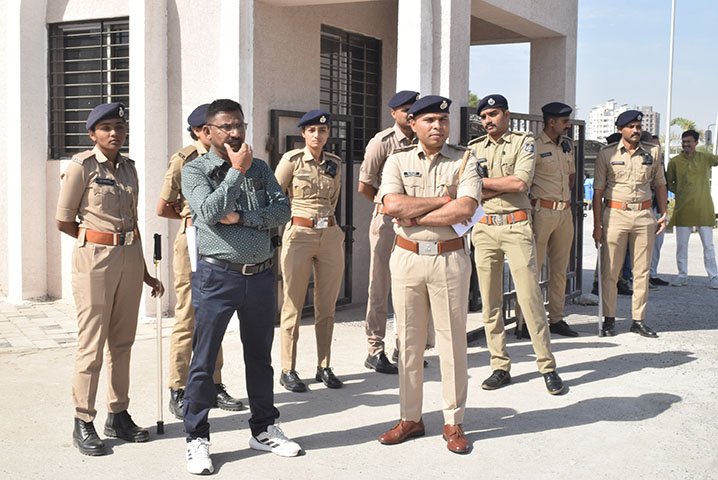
505	138
546	139
444	151
101	158
400	134
308	157
201	150
622	147
214	159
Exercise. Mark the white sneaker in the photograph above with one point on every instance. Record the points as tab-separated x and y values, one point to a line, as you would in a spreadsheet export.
713	283
679	282
274	440
198	459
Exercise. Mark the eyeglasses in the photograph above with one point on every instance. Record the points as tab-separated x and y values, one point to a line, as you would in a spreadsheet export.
229	128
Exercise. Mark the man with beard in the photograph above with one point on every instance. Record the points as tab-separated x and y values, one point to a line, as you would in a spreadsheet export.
505	231
553	181
622	216
235	201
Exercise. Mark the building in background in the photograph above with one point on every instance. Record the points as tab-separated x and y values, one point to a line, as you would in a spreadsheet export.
602	119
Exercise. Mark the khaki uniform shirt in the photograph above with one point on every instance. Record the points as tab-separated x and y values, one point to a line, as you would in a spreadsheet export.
313	187
513	154
102	197
409	171
172	185
377	151
553	167
625	177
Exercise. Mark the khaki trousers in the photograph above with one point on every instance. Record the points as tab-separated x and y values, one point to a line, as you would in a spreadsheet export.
181	338
516	243
381	241
553	234
637	231
306	250
436	285
107	285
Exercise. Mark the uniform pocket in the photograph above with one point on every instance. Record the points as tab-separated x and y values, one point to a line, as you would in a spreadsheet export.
507	168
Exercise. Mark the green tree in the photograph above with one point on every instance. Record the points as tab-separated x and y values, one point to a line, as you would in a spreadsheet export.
473	99
684	123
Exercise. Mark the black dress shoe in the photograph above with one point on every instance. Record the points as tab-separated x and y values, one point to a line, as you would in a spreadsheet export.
225	401
659	282
291	381
643	330
624	288
85	438
609	326
562	328
177	403
497	380
554	384
120	425
327	377
380	364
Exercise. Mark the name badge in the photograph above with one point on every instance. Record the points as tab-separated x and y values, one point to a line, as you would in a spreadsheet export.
412	174
544	155
104	181
618	162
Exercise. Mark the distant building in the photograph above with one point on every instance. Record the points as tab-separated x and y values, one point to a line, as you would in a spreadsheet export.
602	119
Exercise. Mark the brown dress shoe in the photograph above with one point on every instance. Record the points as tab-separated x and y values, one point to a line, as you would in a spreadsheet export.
402	431
456	440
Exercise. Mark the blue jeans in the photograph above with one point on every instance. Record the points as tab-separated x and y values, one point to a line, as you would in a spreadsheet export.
216	294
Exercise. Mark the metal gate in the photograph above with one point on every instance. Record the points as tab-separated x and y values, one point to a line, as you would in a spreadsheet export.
470	129
340	143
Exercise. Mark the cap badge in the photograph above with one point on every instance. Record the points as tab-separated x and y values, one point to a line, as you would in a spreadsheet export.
121	112
639	117
417	96
443	105
491	101
322	119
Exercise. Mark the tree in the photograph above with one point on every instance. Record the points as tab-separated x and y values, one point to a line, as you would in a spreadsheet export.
684	123
473	100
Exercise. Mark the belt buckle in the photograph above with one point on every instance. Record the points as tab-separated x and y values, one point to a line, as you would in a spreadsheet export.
497	220
321	222
428	248
245	268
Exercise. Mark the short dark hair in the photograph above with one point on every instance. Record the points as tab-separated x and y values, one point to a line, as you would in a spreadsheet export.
222	105
691	133
193	135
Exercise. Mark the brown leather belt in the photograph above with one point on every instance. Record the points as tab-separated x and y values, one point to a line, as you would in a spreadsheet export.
113	239
628	205
505	219
550	204
243	268
309	222
430	248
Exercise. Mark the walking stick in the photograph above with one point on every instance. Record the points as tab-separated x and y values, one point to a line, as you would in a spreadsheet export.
600	292
157	258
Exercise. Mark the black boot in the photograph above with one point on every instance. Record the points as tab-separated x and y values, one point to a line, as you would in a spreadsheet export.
609	327
85	438
225	401
120	425
177	403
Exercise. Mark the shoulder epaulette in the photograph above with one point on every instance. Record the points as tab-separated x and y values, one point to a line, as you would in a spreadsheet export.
386	133
294	154
477	140
608	146
457	147
403	149
186	152
82	156
523	134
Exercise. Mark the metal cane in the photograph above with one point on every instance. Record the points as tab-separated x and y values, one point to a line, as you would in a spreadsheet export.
600	292
157	258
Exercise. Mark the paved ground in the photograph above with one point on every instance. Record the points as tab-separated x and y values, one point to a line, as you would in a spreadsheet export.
637	408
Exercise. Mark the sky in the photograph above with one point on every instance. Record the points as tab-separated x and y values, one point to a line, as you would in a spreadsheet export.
622	54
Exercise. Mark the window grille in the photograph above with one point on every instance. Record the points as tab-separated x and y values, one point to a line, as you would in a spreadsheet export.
89	64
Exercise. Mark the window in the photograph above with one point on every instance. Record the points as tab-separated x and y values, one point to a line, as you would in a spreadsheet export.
349	76
89	64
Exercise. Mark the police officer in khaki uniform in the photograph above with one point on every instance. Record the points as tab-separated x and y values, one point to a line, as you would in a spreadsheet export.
553	181
381	231
505	231
429	187
625	173
98	207
312	241
172	204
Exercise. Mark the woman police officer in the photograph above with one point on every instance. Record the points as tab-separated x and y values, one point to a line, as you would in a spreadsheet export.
312	241
98	207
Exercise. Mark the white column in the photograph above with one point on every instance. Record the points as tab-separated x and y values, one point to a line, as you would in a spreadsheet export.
24	161
553	72
148	126
433	51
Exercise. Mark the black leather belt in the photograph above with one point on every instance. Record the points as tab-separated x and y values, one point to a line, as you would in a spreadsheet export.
243	268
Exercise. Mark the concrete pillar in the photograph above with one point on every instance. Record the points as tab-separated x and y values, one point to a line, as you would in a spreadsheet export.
24	114
553	72
148	125
433	40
